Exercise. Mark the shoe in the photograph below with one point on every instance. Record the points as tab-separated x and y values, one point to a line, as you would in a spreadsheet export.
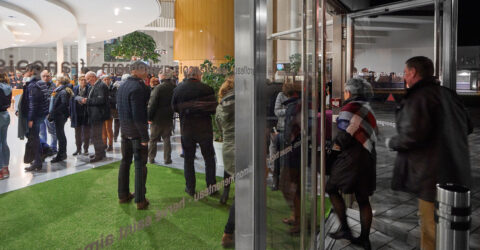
168	162
143	205
189	192
341	234
114	139
33	168
224	198
58	158
126	199
86	152
50	152
5	173
228	241
76	153
152	161
110	148
96	159
365	243
182	155
289	221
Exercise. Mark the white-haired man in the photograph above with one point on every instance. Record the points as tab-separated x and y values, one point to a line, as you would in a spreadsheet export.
98	112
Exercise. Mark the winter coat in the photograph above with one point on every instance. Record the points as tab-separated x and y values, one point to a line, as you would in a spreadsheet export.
38	101
78	111
354	170
132	101
112	97
225	118
98	106
195	102
5	96
60	103
432	144
280	110
160	110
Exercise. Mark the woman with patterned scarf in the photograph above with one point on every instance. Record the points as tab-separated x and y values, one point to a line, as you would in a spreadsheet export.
354	169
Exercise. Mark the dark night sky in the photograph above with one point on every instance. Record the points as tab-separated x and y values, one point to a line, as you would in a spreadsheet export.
469	23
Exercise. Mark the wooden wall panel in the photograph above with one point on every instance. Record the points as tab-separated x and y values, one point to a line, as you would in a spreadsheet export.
204	30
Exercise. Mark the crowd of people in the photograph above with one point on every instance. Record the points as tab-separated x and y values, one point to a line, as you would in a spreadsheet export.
100	108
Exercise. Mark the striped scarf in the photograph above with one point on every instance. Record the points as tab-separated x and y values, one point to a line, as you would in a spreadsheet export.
357	119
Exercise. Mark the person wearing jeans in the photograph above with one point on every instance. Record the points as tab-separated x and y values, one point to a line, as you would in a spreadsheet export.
132	101
5	102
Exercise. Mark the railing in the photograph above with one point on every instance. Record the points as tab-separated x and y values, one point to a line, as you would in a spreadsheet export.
166	20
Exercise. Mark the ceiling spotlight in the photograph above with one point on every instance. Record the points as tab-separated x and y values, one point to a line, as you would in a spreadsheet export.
93	37
127	8
76	41
116	11
109	31
20	24
14	44
119	21
21	40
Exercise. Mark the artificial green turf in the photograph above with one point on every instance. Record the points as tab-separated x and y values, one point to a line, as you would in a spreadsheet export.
73	211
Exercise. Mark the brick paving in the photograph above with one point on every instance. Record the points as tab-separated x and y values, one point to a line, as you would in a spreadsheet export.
396	223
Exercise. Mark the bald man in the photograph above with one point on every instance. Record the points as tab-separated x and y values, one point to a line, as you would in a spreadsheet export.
196	103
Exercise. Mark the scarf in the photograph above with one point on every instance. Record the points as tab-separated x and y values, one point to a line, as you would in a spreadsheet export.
357	119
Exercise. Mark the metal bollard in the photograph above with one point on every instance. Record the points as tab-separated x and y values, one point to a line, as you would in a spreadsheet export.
452	216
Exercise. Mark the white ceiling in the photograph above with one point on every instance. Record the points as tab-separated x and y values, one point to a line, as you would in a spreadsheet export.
44	22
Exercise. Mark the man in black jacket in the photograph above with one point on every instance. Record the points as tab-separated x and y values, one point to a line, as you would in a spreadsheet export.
36	107
132	101
432	144
196	103
98	110
160	115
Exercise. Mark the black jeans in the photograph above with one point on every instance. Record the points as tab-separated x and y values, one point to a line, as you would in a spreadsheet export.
189	144
82	136
116	128
62	139
131	148
35	137
230	227
96	136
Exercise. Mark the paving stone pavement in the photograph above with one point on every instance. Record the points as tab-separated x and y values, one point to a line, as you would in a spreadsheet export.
396	222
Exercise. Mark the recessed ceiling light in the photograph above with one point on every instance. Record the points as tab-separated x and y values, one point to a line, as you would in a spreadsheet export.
20	24
127	8
93	37
109	31
76	41
26	33
21	40
119	21
14	44
116	11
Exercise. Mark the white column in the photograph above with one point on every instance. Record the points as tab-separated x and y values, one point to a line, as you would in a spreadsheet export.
82	46
293	25
60	57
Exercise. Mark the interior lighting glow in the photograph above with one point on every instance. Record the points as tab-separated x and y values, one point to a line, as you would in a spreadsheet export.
116	11
464	74
127	8
119	21
93	37
109	31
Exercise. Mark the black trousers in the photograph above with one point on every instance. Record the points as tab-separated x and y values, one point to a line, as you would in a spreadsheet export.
230	227
116	127
96	136
82	136
189	144
132	148
62	139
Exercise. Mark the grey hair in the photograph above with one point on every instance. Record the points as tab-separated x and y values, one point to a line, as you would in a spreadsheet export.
359	87
193	72
124	77
90	73
167	73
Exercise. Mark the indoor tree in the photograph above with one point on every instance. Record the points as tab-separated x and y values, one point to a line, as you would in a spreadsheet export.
136	45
